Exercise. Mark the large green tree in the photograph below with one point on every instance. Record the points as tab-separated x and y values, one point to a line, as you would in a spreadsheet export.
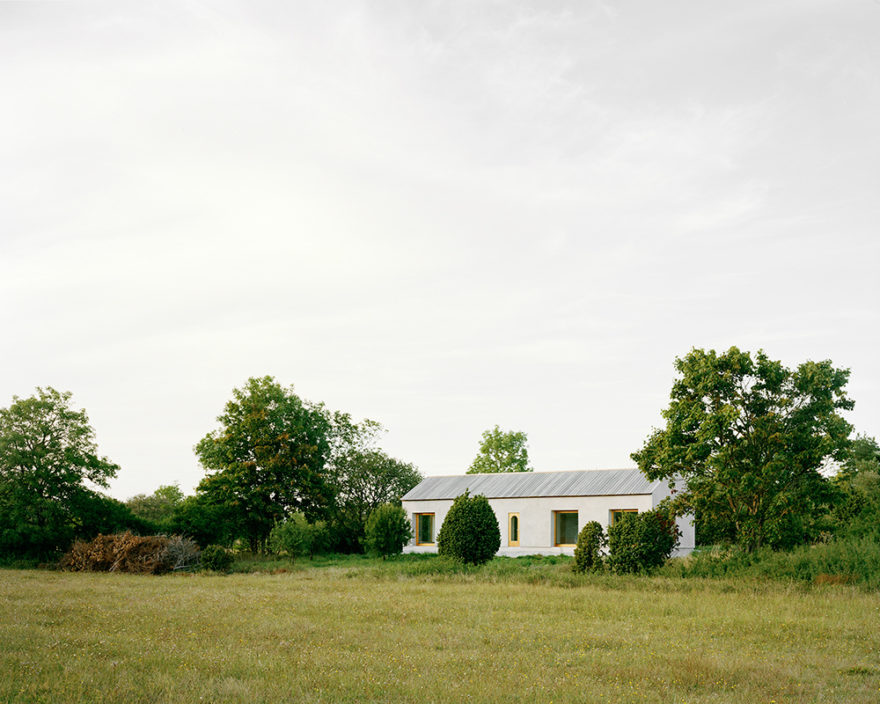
47	454
267	459
501	451
750	437
364	477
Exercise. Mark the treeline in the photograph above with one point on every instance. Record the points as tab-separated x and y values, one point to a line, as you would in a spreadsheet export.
273	457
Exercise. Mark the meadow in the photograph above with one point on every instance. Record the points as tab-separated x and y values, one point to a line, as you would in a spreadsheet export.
359	630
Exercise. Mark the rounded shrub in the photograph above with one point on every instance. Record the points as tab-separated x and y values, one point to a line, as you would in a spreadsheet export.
387	530
639	542
588	552
470	531
216	558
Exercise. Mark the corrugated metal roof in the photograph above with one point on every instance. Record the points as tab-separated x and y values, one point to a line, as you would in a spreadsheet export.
592	482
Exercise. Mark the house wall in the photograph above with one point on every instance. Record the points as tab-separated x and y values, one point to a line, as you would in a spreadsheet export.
536	519
687	540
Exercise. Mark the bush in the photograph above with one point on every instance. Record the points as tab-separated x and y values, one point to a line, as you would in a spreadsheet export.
216	558
296	537
470	531
387	531
639	542
588	552
122	552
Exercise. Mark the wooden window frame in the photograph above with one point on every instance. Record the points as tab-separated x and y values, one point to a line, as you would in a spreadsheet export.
556	542
419	515
510	542
619	510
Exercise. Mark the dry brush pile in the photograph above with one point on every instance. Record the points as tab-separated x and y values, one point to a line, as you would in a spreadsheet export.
124	552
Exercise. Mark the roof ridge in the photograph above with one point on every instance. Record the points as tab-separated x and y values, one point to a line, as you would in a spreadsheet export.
549	471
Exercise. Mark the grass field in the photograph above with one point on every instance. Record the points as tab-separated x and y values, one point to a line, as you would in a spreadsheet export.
374	634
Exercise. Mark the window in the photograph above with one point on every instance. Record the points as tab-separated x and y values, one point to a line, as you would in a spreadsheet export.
424	529
513	529
566	525
617	514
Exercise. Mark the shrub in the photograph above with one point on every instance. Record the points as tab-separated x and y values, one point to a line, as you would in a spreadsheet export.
296	537
639	542
216	558
122	552
387	531
470	531
588	552
182	553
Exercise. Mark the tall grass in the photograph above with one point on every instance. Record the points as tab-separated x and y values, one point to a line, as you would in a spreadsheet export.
321	636
848	561
851	560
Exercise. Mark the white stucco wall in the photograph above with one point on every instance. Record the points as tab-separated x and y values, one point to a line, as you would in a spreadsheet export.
685	524
536	519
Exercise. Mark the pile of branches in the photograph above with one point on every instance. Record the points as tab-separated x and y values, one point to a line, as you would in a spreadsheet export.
124	552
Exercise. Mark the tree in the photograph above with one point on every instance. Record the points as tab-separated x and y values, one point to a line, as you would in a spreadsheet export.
388	530
863	456
857	509
95	513
749	437
470	531
47	453
364	478
267	459
204	521
158	507
501	451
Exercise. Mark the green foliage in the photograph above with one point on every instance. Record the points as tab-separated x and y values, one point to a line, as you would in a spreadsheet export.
470	531
501	451
216	558
857	510
640	542
94	513
853	560
47	453
157	508
296	537
388	530
588	551
363	479
267	459
749	438
197	517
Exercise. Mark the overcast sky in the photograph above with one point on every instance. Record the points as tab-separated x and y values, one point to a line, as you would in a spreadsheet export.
442	216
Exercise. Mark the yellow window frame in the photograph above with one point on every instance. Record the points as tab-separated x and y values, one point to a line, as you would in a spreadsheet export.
556	542
417	517
615	511
510	519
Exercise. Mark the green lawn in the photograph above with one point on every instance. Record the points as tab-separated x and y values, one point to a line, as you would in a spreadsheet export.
350	634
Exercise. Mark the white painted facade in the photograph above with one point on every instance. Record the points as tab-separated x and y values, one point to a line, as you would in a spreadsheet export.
537	519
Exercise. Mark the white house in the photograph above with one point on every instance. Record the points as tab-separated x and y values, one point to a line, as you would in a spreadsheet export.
539	512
